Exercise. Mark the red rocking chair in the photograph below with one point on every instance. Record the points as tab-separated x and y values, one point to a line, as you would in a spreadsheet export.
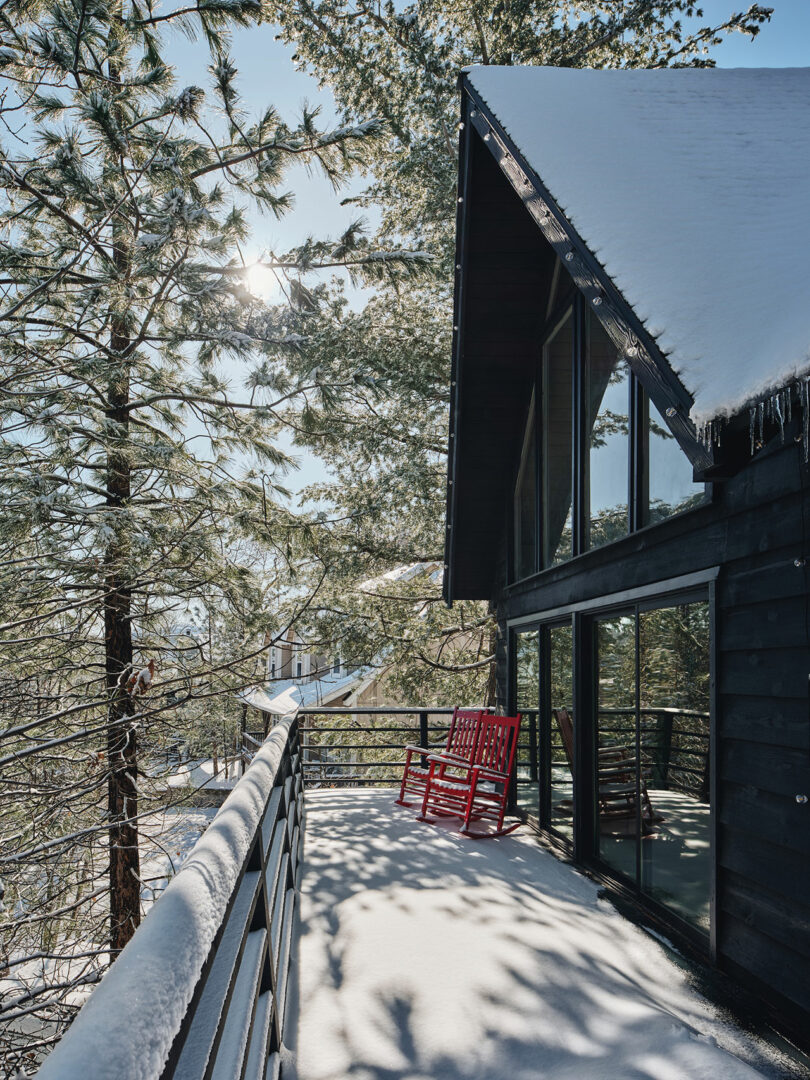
457	754
480	795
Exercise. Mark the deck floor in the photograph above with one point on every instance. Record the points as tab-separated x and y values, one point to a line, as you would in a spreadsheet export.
425	955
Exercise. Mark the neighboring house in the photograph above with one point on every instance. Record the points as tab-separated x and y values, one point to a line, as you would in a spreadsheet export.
299	678
628	482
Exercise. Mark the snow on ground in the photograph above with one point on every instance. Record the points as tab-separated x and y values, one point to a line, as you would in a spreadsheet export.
201	774
167	839
425	955
691	187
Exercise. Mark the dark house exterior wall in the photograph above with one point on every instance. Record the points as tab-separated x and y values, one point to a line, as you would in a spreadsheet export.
744	549
752	533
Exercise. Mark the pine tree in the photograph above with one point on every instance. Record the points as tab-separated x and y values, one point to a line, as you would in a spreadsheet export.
386	439
132	473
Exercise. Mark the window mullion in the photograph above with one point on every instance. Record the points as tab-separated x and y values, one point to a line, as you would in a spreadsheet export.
638	475
579	457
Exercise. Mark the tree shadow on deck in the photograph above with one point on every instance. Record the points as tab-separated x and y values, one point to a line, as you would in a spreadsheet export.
425	955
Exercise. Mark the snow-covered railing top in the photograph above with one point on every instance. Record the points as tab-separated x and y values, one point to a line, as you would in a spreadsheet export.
200	989
691	187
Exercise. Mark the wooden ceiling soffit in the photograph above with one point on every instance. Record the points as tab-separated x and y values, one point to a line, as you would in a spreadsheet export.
622	325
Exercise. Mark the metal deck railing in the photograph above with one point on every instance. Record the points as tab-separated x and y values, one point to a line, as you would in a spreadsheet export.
200	992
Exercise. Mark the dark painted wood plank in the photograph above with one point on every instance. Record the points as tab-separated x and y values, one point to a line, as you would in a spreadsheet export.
777	722
777	769
776	965
780	673
772	818
776	869
773	624
777	918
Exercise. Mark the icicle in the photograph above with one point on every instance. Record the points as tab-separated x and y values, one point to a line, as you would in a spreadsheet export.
752	417
805	399
777	408
761	422
789	404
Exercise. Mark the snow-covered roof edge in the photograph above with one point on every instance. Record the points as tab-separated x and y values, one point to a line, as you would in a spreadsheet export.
502	95
616	315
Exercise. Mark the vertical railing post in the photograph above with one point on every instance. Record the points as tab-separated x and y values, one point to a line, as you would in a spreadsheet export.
663	746
423	735
533	771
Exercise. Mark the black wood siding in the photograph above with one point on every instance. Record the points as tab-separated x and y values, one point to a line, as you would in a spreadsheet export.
754	530
507	276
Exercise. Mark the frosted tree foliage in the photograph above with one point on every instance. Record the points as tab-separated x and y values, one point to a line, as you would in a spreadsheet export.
386	439
142	389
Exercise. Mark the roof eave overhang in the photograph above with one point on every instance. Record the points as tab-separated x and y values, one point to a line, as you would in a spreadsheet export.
629	335
455	398
620	321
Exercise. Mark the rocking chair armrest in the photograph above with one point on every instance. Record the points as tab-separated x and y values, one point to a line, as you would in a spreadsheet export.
482	773
449	759
423	749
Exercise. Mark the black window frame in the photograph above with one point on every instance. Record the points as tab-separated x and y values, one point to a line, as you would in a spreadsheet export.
583	616
638	478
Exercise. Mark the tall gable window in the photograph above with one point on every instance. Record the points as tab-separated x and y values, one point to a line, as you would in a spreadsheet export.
557	390
525	503
607	430
598	460
670	487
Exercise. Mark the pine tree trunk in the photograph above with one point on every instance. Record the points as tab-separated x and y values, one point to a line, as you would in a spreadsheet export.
122	747
122	761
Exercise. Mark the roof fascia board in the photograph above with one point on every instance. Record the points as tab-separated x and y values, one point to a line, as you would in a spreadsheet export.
451	516
621	323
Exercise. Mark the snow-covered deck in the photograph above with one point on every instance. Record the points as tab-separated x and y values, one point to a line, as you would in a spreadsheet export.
428	956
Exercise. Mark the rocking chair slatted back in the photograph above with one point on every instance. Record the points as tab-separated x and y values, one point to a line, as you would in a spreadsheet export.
483	792
497	742
461	742
463	732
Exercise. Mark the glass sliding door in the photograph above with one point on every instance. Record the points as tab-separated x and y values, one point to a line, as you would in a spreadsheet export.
527	703
616	773
561	723
653	752
675	736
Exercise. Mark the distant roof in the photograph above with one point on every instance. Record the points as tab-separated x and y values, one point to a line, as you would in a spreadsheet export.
292	694
692	188
259	699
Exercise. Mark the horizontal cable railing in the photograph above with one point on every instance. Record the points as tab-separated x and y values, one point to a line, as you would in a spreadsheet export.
674	745
200	992
358	746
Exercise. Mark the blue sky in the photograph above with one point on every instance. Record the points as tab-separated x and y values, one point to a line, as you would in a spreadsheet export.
269	76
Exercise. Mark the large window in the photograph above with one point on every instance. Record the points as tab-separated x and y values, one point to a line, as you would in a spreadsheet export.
525	503
653	753
598	459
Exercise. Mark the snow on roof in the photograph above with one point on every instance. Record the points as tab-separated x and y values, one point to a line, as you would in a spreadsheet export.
260	699
406	572
291	695
692	188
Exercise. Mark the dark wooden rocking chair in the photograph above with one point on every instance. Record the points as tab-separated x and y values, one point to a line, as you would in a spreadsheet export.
616	766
